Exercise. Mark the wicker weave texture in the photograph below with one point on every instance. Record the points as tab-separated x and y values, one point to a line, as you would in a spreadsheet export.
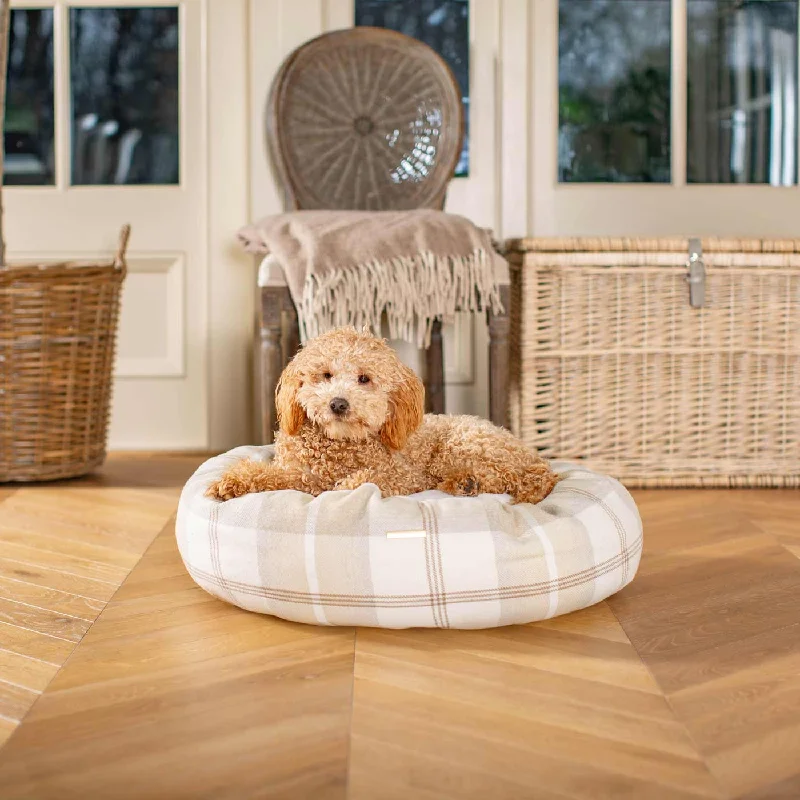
58	328
611	364
365	119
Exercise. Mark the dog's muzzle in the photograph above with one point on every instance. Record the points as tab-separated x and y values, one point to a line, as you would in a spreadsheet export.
339	406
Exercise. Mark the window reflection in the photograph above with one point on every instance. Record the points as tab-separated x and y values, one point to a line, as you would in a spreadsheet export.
441	24
415	166
28	132
124	76
614	90
742	107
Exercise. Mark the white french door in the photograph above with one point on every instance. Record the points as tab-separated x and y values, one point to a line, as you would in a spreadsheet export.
732	207
134	141
183	372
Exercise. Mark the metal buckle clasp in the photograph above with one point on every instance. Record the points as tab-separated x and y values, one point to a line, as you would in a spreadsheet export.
696	274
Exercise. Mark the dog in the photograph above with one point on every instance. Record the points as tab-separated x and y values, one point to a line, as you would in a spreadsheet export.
350	412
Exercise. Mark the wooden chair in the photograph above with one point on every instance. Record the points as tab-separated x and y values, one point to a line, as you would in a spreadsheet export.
363	119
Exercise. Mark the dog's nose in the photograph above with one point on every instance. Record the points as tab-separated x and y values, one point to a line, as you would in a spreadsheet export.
339	405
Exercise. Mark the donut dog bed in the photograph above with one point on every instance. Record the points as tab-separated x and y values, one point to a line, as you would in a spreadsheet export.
426	560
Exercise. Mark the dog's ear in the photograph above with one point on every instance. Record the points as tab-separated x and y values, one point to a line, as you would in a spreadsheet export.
291	415
406	408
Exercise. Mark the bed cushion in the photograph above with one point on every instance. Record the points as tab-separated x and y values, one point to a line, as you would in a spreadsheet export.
426	560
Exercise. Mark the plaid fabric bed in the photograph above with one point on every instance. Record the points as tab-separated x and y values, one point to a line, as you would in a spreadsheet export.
428	560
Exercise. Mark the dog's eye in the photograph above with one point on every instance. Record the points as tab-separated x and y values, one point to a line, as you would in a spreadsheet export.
363	378
327	376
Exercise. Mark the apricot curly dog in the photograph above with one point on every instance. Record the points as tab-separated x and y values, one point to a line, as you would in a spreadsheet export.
351	412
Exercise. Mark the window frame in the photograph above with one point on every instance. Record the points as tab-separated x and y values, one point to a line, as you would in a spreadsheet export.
62	96
679	97
629	209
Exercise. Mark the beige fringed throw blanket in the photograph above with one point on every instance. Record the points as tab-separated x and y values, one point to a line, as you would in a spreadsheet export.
351	267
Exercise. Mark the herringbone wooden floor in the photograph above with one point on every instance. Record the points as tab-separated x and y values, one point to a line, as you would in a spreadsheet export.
130	682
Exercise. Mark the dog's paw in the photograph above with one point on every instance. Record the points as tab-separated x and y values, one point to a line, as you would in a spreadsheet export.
227	487
354	480
466	485
529	495
535	491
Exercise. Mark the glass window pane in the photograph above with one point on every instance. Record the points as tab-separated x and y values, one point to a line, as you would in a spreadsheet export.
742	83
614	90
442	24
124	76
29	115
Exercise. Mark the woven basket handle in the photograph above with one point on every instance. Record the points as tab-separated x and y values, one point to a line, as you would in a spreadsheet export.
124	235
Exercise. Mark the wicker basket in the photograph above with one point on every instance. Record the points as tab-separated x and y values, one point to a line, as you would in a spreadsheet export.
58	329
618	361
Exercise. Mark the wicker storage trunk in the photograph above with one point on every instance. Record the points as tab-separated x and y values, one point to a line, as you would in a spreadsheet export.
58	327
618	360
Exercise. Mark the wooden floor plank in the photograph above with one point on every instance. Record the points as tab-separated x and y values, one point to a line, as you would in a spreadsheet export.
747	721
610	663
523	696
50	599
163	473
395	755
89	517
7	727
720	602
773	512
682	686
680	519
34	644
597	621
42	620
717	622
15	701
759	762
64	550
72	565
53	543
788	789
763	698
187	702
47	578
793	549
25	671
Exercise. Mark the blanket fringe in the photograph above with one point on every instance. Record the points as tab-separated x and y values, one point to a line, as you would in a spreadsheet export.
411	291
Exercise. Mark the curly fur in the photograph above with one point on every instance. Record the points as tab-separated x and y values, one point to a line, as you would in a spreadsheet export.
384	437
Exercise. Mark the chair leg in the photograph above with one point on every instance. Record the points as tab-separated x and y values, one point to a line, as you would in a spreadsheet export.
292	329
434	372
499	326
270	359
